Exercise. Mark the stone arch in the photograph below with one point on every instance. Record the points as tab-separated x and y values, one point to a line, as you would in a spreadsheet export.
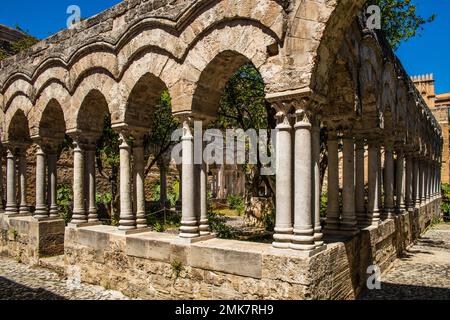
21	105
17	129
52	125
212	82
99	61
20	87
330	23
239	43
55	93
142	99
105	88
91	113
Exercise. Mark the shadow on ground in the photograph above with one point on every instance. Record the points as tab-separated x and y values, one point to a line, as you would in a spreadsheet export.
391	291
11	290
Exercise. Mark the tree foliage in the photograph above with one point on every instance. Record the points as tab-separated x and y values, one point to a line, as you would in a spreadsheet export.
159	140
243	106
400	20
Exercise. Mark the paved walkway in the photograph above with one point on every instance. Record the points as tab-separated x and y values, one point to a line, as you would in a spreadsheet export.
422	273
21	282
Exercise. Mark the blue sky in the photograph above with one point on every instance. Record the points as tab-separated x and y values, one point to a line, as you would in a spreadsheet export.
427	53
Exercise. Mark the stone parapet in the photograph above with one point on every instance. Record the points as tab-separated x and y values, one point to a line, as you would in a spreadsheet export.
157	266
27	240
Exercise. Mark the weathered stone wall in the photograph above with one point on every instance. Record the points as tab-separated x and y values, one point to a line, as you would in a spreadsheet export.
27	239
160	266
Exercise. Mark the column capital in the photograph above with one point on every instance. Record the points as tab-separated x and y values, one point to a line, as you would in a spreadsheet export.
303	119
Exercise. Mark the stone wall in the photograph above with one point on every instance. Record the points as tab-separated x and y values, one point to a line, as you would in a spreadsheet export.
27	239
160	266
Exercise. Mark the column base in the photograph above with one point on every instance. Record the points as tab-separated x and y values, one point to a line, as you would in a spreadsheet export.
318	237
141	220
204	228
24	209
303	240
282	238
127	222
11	210
189	230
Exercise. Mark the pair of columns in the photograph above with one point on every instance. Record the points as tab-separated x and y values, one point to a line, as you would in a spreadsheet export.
132	200
353	185
297	223
45	158
194	181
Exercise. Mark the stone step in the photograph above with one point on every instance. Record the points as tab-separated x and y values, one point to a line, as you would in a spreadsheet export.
55	263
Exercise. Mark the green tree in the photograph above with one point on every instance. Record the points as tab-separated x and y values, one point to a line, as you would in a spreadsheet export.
108	161
243	106
159	140
400	20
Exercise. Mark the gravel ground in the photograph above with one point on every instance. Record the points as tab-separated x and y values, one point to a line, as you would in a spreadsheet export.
423	273
21	282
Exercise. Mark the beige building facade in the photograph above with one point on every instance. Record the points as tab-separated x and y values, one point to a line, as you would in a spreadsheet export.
439	105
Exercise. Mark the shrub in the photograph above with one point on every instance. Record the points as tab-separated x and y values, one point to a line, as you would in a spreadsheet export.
218	225
445	206
64	200
236	203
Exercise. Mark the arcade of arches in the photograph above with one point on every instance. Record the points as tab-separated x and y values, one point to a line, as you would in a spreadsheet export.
321	70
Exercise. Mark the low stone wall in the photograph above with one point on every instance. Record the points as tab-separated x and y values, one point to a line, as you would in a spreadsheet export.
160	266
27	240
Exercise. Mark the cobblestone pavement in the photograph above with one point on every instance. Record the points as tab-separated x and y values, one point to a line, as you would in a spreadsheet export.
21	282
422	273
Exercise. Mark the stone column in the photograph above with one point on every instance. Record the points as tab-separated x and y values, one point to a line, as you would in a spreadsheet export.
389	181
348	222
139	178
423	179
79	210
315	157
127	219
41	211
400	182
23	208
284	184
91	188
333	214
11	195
52	177
204	222
303	238
360	182
434	180
373	210
409	182
416	183
189	223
